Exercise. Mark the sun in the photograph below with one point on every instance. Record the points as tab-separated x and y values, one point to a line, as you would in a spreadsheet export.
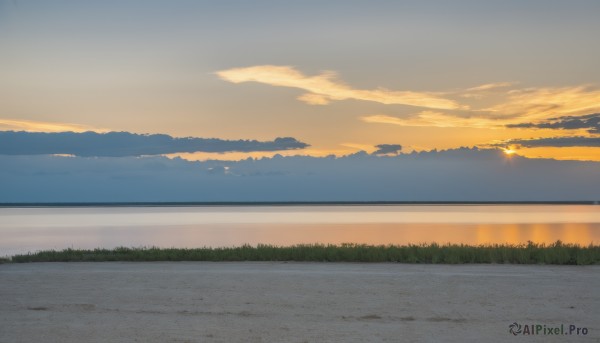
509	151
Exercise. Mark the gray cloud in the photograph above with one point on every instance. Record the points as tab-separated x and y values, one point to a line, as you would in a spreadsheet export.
119	144
383	149
452	175
590	122
554	142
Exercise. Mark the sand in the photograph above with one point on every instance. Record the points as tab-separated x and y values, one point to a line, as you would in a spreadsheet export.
292	302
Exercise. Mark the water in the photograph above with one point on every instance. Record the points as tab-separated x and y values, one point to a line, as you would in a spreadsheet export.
31	229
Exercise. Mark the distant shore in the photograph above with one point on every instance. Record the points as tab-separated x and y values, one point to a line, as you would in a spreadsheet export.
288	203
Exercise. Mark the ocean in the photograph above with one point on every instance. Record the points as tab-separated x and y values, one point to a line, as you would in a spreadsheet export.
29	229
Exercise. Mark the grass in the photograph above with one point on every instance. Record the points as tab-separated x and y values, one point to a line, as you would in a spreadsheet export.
530	253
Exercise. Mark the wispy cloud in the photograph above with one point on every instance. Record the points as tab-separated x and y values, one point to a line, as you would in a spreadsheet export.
484	90
433	119
41	126
550	108
358	146
325	87
541	103
314	99
507	108
489	86
119	144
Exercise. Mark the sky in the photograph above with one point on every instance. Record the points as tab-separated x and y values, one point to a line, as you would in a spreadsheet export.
340	76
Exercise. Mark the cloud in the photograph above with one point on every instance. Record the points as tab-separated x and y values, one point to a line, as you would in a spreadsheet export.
324	88
384	149
530	104
117	144
489	86
558	142
590	122
433	119
452	175
481	91
314	99
506	109
530	108
358	146
41	126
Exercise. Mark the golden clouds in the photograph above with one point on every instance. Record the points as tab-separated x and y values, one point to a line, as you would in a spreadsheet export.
324	88
433	119
542	103
481	91
496	106
511	111
314	99
513	107
40	126
489	86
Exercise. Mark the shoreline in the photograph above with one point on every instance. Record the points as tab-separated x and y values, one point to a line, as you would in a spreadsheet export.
292	302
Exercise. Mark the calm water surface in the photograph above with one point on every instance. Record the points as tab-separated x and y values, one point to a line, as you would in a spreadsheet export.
32	229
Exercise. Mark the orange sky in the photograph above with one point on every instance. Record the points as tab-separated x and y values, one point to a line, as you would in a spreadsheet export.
341	77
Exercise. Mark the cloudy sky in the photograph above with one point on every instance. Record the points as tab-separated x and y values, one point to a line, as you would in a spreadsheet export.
336	76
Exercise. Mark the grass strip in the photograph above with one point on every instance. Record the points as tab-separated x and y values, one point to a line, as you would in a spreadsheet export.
557	253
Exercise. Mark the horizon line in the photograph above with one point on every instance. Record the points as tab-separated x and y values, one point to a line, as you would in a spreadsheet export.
281	203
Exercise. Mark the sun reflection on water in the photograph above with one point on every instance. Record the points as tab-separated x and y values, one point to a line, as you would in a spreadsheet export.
24	232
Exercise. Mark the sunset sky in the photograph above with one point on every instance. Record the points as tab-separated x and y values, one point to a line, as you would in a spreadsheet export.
342	76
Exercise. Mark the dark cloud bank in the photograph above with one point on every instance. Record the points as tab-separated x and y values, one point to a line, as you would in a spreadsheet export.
384	149
558	142
590	122
120	144
452	175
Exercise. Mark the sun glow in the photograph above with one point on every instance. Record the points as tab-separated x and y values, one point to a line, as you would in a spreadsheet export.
509	151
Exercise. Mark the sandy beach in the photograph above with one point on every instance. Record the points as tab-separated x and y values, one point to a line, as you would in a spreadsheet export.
293	302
